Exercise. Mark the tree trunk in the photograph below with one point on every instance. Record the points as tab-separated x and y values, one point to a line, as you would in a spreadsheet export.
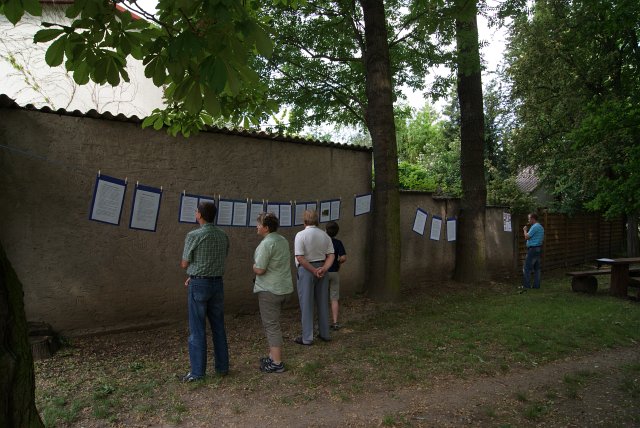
471	263
633	241
17	380
385	254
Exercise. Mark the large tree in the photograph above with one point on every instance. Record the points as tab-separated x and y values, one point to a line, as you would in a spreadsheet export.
385	255
17	385
575	73
470	247
342	62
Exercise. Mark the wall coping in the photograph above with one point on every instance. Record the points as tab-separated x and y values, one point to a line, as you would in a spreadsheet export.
9	103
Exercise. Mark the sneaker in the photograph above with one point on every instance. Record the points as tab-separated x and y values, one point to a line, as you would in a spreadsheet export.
265	360
522	290
335	326
189	378
271	367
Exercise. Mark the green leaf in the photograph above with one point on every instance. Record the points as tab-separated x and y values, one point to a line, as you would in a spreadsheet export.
149	120
99	74
176	70
193	101
33	7
233	84
124	74
13	10
74	49
55	53
81	74
182	89
174	129
113	77
159	72
249	75
211	102
158	123
206	119
264	45
125	46
46	35
214	72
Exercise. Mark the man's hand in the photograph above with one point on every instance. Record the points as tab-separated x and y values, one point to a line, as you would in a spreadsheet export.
186	282
319	273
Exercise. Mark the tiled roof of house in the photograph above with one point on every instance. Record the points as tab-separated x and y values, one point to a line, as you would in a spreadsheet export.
7	102
527	180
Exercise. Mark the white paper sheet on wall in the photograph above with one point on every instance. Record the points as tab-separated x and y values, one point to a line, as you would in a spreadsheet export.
108	199
420	221
257	208
285	215
335	210
436	227
362	204
325	211
225	212
240	213
451	229
146	207
506	219
188	207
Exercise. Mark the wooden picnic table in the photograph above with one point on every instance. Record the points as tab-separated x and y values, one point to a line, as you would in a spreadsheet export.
619	274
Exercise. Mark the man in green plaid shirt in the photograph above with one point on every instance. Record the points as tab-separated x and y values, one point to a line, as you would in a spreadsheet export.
205	251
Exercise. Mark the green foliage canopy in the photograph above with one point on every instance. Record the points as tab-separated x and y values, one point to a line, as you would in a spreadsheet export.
202	52
318	66
575	73
430	160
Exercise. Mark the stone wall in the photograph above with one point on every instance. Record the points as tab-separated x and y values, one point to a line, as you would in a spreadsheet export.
83	276
426	261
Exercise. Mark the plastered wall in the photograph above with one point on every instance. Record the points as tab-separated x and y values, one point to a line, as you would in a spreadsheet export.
83	276
426	261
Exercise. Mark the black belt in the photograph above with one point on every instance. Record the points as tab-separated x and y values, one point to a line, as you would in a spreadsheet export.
204	277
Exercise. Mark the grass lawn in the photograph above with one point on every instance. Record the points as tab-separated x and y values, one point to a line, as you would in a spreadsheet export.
442	331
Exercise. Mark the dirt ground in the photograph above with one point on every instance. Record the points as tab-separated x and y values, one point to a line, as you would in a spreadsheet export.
596	390
486	401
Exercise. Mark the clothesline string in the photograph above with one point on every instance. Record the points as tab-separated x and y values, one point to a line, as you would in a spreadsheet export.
321	204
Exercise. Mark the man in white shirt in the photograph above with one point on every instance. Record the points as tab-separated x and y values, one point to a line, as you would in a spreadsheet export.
314	255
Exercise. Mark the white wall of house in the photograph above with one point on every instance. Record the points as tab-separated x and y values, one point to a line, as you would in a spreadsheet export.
25	76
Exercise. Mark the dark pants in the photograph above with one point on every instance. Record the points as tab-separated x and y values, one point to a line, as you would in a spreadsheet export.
532	264
206	301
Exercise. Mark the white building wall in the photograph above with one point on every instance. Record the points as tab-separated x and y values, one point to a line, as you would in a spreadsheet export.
25	76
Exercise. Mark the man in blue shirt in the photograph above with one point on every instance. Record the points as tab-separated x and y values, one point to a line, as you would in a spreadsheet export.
534	238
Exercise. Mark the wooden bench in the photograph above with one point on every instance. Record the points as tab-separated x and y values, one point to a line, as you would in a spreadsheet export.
634	284
585	281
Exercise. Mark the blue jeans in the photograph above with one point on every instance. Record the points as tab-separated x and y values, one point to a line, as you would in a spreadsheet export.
206	300
532	263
